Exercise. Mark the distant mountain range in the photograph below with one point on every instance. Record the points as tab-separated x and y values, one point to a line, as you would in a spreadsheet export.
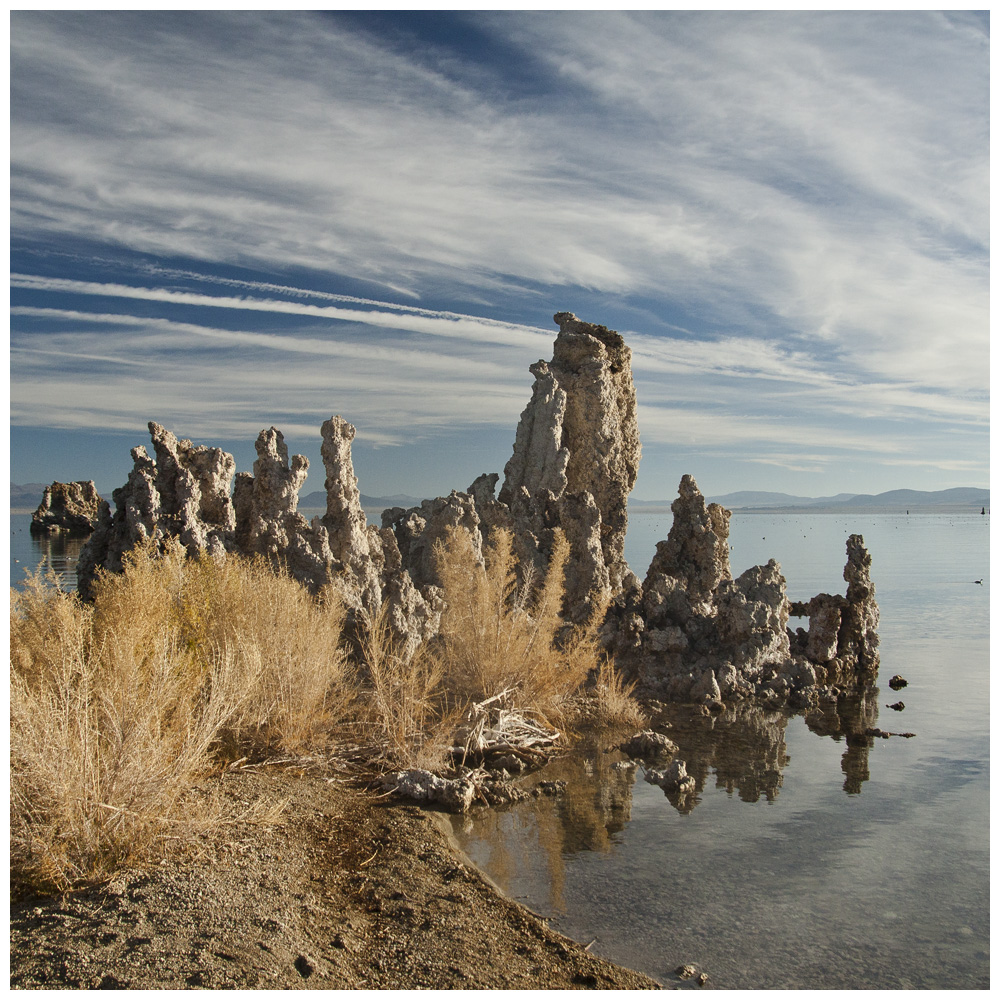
29	495
318	499
962	496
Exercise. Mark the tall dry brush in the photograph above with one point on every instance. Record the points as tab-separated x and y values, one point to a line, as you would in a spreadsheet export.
497	635
118	708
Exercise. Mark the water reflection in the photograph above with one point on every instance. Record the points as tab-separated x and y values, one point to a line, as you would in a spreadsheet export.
59	552
849	719
741	750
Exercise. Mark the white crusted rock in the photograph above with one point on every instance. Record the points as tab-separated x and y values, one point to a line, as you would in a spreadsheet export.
67	507
454	794
696	551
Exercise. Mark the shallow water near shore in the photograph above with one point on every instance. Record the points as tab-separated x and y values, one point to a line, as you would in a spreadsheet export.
806	858
809	856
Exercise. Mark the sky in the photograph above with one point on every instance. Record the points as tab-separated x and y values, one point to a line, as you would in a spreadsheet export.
227	221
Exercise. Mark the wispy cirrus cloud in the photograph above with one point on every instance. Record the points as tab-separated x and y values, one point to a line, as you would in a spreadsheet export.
797	202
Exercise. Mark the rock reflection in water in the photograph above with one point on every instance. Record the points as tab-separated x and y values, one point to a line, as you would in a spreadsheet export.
849	718
59	552
743	747
596	805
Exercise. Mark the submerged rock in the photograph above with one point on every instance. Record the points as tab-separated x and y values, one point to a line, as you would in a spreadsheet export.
67	507
648	745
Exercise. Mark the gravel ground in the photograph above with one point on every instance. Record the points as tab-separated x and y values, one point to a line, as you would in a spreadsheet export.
345	891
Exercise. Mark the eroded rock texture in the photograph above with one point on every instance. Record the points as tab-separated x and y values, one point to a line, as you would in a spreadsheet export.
267	519
696	550
184	494
697	634
843	631
689	631
67	507
575	460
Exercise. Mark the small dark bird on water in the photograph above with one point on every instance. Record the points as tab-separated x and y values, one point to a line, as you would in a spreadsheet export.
980	582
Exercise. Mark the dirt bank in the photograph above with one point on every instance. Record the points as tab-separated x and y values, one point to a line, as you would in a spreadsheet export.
344	891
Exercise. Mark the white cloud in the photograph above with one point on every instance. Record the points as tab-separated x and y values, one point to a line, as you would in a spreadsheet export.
810	190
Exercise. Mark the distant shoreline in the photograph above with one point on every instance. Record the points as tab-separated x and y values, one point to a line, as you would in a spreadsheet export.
944	508
915	510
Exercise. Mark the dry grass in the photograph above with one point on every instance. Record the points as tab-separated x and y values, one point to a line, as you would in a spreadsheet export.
118	709
407	707
615	704
497	636
286	643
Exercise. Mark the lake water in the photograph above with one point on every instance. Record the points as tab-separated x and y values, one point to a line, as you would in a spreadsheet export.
59	552
807	858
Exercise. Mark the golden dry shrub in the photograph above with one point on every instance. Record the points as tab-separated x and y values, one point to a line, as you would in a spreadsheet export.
118	709
615	704
407	708
498	636
286	643
104	746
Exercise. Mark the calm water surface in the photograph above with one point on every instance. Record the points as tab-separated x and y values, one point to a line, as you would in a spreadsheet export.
806	858
58	552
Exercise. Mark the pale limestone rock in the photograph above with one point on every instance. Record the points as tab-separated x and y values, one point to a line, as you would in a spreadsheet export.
355	545
696	551
752	619
843	631
707	636
690	630
184	494
824	612
577	438
540	457
454	794
859	629
194	483
593	365
268	522
413	615
419	529
67	507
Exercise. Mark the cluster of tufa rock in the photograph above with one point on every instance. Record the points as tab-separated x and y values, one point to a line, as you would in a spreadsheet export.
687	631
67	507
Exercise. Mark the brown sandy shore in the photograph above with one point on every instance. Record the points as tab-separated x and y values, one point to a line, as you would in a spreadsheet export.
343	891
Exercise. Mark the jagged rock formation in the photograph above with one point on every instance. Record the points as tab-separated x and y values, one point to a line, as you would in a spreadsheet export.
705	637
67	507
575	461
183	494
696	550
843	631
689	631
267	519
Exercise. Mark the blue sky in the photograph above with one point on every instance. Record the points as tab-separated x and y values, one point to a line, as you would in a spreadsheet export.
231	220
